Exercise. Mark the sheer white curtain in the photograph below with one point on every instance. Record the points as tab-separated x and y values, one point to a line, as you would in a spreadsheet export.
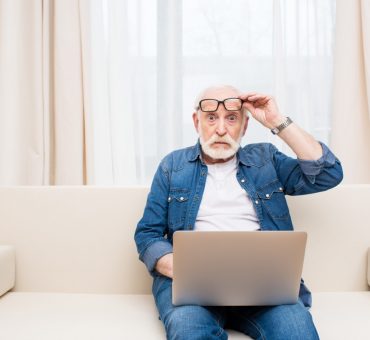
149	59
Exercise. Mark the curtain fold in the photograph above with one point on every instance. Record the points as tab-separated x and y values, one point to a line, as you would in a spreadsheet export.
21	105
365	24
68	166
350	137
43	119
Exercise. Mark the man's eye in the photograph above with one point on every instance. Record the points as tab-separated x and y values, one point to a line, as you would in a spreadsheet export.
232	118
211	117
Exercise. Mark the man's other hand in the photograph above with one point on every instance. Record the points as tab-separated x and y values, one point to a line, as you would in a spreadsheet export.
165	265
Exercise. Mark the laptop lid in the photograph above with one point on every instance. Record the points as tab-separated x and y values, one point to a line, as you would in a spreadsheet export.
237	268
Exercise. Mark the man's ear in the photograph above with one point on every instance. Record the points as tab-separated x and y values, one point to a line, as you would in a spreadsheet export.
196	121
245	124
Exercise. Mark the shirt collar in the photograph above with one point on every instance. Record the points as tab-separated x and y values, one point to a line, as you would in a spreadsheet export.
195	152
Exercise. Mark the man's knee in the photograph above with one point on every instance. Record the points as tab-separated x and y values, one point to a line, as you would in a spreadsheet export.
292	322
192	322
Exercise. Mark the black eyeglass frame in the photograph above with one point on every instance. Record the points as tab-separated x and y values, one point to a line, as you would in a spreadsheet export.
218	104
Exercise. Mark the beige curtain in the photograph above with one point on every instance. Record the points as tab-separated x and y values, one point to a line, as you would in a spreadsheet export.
44	128
365	21
350	121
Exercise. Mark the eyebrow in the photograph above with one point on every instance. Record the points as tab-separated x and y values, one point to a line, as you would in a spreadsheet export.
228	113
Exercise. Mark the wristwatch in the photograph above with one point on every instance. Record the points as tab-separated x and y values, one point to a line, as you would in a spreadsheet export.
282	126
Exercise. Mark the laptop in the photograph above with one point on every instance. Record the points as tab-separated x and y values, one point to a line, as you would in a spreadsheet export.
237	268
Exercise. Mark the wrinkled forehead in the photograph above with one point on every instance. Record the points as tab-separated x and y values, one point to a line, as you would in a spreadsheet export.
220	93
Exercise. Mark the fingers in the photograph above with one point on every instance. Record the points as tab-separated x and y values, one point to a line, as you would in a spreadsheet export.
255	97
248	105
246	95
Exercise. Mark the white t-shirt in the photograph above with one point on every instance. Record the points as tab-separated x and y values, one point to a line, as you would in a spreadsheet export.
225	204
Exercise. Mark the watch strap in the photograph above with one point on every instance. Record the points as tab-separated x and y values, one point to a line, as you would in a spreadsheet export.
282	126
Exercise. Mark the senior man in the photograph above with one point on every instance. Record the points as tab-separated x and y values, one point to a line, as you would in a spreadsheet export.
217	185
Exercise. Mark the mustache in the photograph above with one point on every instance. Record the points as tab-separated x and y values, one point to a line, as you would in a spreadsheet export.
217	139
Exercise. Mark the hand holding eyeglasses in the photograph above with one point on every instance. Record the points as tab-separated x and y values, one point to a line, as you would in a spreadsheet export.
263	108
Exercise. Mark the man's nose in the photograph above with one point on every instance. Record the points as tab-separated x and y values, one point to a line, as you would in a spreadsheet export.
221	127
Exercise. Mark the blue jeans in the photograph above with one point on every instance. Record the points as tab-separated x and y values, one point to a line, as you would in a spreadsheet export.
193	322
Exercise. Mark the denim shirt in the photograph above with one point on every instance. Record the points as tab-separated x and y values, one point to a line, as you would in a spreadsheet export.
266	174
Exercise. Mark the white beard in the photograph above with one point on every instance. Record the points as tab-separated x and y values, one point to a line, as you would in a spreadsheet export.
220	153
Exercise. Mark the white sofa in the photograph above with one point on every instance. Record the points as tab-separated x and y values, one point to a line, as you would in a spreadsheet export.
77	273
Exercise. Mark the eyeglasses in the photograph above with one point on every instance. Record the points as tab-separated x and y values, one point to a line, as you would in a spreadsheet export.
211	105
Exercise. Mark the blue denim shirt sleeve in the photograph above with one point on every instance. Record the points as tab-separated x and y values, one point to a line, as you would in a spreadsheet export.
152	228
154	252
313	168
301	177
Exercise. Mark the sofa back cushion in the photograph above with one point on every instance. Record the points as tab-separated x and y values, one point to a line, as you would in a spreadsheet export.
74	239
337	222
81	239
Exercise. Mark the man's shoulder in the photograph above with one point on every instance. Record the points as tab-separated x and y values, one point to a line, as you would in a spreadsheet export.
256	147
178	157
256	152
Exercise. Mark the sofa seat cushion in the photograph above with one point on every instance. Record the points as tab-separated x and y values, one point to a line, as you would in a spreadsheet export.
45	316
62	316
342	315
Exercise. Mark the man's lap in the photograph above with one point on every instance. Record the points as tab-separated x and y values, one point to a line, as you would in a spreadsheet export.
259	322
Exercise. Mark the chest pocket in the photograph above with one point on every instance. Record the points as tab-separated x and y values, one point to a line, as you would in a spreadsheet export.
273	200
178	201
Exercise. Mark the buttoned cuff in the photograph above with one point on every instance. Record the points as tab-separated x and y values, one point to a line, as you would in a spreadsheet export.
313	168
154	252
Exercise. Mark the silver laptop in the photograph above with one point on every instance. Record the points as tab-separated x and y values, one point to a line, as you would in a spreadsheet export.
237	268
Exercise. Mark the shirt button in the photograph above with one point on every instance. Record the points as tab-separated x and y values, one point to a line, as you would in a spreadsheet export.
281	189
181	198
243	180
256	201
169	199
267	195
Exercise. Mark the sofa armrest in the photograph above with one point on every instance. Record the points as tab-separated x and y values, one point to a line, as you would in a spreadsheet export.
7	268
